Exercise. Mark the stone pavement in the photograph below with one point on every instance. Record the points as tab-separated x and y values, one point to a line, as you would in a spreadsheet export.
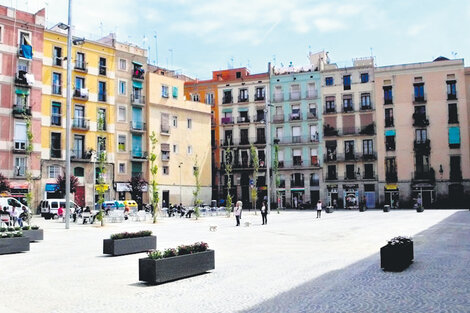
296	263
437	281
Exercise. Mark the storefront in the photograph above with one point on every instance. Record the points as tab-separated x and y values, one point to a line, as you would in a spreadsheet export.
19	190
297	197
50	191
332	192
351	196
392	196
423	194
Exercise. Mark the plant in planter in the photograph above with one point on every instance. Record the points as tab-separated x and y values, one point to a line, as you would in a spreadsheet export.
127	243
3	229
26	227
13	242
33	233
173	264
397	255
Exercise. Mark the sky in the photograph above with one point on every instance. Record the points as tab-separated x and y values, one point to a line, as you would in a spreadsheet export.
198	37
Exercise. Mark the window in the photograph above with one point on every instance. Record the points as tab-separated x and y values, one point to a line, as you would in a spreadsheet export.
453	114
369	171
227	98
56	83
79	171
365	101
57	56
364	77
347	103
349	150
368	147
389	118
175	148
165	126
296	134
329	81
54	171
259	94
78	146
56	115
166	170
122	168
122	64
311	91
165	91
102	91
175	121
101	144
421	135
451	90
314	180
419	92
190	123
330	104
195	97
56	150
122	143
238	74
243	95
79	84
331	173
175	92
25	38
122	87
101	119
390	140
346	82
20	166
122	114
388	97
102	66
312	110
455	169
80	61
1	33
390	170
20	137
297	156
190	149
350	174
209	98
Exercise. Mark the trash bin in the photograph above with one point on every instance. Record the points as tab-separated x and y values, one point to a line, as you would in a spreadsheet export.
386	208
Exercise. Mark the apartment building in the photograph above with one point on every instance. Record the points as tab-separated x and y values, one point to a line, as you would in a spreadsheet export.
93	114
349	133
423	136
296	128
242	113
182	129
21	51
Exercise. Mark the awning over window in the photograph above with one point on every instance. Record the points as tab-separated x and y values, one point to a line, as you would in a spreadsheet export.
243	110
454	135
22	92
136	63
136	84
391	187
390	132
227	111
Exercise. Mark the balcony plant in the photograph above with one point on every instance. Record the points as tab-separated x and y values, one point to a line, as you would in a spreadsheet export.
397	255
127	243
172	264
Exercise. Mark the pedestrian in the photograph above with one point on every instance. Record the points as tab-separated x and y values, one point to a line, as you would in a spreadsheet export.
264	213
14	215
126	212
295	202
319	208
238	212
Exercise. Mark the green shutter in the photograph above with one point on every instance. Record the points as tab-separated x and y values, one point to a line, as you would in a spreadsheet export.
175	92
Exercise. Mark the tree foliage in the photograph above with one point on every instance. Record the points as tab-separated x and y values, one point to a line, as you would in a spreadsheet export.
197	201
4	183
136	186
255	160
153	172
60	181
228	172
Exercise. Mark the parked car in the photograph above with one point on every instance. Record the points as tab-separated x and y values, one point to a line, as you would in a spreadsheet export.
11	202
49	207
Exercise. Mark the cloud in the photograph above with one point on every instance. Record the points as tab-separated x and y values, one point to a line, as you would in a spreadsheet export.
328	25
417	29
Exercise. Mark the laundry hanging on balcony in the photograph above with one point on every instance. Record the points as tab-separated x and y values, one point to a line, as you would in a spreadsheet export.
26	51
29	79
84	92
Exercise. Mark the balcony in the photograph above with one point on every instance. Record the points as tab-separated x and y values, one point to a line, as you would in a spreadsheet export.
329	131
244	164
260	97
418	98
420	120
102	70
57	89
295	116
20	111
81	67
278	118
56	153
138	74
311	94
426	175
391	177
242	99
243	119
294	95
297	139
227	120
80	123
351	157
452	96
81	155
369	175
350	175
138	155
137	127
330	111
137	174
261	140
348	131
278	97
331	176
165	157
368	129
388	100
389	122
25	52
366	107
19	146
330	158
390	146
297	183
259	118
369	156
227	99
137	99
422	146
80	94
24	79
102	97
348	108
244	141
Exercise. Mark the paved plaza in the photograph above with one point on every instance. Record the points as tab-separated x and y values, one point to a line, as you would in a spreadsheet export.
296	263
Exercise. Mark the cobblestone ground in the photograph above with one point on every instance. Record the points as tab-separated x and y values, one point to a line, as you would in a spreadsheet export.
437	281
296	263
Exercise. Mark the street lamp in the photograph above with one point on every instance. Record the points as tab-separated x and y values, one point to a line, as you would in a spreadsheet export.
181	163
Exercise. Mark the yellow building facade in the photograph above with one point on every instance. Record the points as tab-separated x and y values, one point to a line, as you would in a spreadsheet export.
92	114
183	132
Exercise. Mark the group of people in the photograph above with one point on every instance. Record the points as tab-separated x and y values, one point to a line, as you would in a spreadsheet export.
179	209
12	215
238	212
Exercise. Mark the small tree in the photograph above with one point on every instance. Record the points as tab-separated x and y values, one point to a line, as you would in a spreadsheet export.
228	172
102	157
29	150
60	181
277	179
136	186
153	171
254	190
197	201
4	183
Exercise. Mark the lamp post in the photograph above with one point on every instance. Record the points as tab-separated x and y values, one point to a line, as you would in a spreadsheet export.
181	163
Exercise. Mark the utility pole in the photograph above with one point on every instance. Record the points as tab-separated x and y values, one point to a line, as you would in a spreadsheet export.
268	140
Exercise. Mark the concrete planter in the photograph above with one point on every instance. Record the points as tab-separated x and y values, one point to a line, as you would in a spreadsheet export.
396	258
129	245
34	234
329	209
419	209
14	245
169	269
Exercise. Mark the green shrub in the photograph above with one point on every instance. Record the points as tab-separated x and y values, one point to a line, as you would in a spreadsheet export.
34	227
184	249
199	247
11	229
168	253
155	254
142	233
25	227
3	229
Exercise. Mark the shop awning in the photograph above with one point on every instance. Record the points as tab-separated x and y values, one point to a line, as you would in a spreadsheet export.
136	84
243	110
22	92
136	63
297	189
19	185
391	187
226	110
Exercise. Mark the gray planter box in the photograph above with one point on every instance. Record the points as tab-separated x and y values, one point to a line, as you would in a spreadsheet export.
169	269
129	245
34	235
14	245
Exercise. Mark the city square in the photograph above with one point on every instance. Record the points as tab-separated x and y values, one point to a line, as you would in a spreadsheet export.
295	263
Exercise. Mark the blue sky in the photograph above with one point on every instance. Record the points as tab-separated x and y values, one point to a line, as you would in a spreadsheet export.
197	37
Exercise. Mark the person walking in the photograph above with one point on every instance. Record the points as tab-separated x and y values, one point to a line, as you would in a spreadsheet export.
264	213
238	212
319	208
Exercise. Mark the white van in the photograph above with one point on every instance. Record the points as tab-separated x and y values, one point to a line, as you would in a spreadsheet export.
10	202
49	207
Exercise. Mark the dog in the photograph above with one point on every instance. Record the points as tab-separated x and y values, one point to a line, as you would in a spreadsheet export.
213	228
247	224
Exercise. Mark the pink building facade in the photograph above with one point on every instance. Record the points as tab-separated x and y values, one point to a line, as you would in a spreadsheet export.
423	134
21	53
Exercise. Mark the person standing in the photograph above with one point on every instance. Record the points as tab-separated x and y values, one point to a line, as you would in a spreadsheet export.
319	208
264	213
238	212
